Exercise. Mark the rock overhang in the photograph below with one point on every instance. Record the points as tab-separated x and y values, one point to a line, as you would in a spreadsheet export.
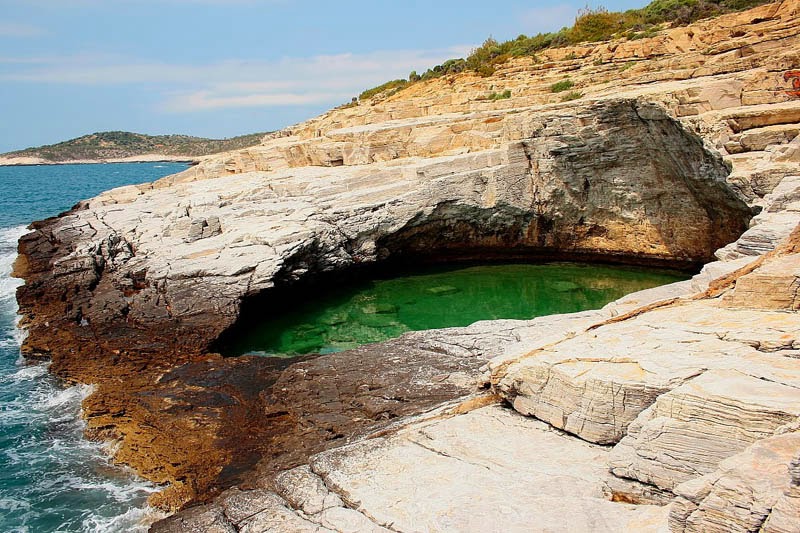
615	179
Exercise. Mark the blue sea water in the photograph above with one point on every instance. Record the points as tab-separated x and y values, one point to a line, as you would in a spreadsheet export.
51	479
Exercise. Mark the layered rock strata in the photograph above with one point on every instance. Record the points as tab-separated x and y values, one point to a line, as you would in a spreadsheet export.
184	255
130	290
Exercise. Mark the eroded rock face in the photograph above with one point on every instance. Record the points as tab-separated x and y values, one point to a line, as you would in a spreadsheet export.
689	430
180	259
594	385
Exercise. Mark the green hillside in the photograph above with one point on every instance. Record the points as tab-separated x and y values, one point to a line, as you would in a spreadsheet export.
119	144
591	25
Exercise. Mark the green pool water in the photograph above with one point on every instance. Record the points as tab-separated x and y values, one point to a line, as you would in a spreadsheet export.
338	316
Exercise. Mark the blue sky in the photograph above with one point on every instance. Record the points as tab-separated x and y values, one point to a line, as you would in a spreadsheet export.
219	68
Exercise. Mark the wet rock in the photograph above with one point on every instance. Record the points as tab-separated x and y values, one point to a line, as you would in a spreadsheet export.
243	419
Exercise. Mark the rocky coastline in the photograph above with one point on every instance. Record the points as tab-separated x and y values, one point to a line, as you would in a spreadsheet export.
671	409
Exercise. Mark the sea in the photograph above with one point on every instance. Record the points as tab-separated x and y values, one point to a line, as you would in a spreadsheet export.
51	478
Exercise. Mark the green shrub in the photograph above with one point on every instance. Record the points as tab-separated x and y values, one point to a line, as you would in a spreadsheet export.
451	66
499	96
574	95
644	33
388	86
591	25
561	86
682	12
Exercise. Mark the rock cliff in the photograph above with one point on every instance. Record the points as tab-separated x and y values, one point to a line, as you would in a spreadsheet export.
671	148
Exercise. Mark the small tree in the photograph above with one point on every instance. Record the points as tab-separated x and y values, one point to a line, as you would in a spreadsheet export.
596	24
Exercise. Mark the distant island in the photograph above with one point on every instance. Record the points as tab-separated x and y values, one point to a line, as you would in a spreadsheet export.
124	146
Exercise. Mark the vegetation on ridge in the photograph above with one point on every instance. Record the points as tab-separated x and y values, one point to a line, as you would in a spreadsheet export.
591	25
122	144
561	86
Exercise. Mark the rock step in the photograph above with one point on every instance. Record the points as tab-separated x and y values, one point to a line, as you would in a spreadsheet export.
778	218
689	430
752	491
744	118
759	139
633	362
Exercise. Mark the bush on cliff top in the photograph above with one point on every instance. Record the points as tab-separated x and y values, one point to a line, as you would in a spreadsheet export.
591	25
388	86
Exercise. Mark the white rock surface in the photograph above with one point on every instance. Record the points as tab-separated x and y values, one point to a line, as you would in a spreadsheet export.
447	476
689	430
595	383
742	493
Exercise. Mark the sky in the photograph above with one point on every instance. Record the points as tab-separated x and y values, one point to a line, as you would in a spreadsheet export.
220	68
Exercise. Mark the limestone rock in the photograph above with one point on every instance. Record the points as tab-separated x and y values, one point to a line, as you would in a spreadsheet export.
596	383
240	511
742	494
688	431
445	476
785	514
774	286
306	491
201	519
779	217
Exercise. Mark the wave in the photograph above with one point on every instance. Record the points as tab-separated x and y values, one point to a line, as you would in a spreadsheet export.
30	372
56	470
8	253
136	520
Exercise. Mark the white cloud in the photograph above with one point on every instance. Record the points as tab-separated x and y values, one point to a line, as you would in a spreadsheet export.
328	79
205	100
547	19
15	29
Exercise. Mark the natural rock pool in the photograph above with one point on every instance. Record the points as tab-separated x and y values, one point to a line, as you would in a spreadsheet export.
341	316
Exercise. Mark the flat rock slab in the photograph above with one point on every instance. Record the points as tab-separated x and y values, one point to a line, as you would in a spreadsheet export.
254	511
447	476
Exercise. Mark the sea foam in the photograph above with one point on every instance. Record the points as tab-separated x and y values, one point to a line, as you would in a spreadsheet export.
34	399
